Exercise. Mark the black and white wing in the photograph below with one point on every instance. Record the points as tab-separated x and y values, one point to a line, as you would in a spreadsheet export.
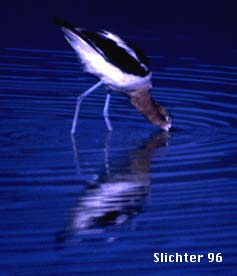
122	54
131	50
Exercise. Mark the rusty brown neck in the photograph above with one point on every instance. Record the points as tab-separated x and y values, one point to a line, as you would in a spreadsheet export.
141	99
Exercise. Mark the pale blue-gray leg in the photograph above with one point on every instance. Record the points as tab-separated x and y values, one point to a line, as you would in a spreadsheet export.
106	112
75	154
79	100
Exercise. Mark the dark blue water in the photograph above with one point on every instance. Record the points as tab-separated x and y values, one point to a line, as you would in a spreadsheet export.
103	204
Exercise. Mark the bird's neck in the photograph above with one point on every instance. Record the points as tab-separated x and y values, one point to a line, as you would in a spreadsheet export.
141	99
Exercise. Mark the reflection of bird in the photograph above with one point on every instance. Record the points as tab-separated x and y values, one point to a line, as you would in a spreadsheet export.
115	196
119	65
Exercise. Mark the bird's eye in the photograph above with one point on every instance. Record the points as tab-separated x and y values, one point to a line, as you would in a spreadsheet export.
167	118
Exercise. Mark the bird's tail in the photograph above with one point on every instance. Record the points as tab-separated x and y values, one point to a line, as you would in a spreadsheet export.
71	33
63	23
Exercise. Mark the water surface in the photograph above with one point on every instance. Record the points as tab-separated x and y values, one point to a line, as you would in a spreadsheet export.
102	204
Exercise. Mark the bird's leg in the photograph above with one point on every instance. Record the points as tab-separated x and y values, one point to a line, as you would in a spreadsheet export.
106	111
79	100
76	154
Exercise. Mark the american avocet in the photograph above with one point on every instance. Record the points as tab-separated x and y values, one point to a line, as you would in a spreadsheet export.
119	65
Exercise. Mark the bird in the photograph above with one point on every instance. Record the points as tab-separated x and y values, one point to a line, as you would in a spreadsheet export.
119	65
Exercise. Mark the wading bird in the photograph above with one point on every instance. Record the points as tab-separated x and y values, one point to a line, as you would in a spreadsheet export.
120	66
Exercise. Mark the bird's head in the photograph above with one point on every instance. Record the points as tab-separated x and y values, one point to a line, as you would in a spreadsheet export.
141	99
163	119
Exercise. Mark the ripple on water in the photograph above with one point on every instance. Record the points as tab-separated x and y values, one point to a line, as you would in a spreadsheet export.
55	190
